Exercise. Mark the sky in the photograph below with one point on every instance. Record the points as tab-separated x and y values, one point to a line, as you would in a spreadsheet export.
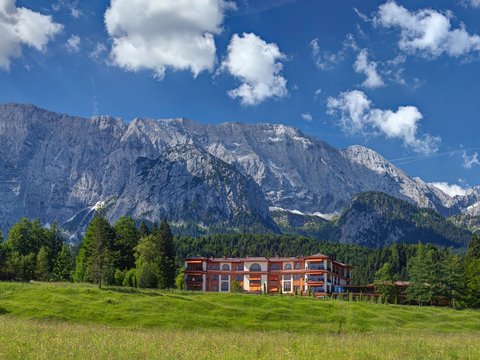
400	77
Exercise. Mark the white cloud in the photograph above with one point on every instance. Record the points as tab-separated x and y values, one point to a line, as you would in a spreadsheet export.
451	190
169	33
473	3
361	15
307	116
470	161
72	6
73	44
358	116
326	60
98	52
426	31
257	65
369	69
21	26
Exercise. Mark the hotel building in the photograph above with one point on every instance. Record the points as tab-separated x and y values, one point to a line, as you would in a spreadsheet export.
317	274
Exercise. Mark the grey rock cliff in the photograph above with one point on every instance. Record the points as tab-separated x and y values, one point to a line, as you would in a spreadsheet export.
59	168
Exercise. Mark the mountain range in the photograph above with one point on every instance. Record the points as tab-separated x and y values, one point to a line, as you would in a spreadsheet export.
229	177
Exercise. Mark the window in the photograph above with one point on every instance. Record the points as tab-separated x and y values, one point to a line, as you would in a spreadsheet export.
226	267
239	277
224	286
214	266
240	267
296	289
287	277
275	266
287	286
287	267
296	277
215	277
255	267
225	277
298	266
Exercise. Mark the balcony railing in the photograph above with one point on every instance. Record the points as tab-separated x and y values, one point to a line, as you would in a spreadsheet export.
316	267
195	268
315	278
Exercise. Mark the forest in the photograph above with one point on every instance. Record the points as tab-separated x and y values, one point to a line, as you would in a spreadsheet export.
133	254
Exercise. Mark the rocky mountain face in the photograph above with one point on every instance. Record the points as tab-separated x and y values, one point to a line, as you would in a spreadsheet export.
375	219
60	168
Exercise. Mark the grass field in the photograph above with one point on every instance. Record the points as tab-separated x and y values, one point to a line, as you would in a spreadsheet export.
81	321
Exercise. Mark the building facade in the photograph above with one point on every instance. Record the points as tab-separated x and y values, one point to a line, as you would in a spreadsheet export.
317	274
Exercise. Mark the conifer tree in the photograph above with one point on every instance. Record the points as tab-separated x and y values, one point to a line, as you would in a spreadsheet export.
421	273
126	238
95	258
167	265
62	269
472	272
42	269
144	230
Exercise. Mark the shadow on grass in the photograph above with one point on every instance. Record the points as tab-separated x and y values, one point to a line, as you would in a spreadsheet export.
130	290
3	311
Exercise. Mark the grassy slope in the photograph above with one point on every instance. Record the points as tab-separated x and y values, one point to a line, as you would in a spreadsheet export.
113	324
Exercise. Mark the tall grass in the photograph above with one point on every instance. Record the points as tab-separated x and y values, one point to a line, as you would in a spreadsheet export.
79	321
27	339
194	310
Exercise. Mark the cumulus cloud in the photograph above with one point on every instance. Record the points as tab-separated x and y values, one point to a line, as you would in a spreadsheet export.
451	190
73	44
356	115
469	161
21	26
257	64
369	69
154	35
426	31
307	116
327	60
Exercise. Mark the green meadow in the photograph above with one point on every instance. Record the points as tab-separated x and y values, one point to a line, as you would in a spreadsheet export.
42	320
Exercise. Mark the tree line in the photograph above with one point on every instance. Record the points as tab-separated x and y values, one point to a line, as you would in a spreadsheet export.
124	254
433	272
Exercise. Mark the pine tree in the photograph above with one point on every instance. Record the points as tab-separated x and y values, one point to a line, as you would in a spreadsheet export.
453	279
95	258
167	265
421	274
127	237
473	251
144	230
62	270
472	272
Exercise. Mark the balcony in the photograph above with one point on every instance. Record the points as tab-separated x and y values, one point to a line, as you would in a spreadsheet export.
193	279
317	289
194	268
315	266
315	278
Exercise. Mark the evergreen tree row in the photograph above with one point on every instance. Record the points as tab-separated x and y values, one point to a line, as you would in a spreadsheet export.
123	255
127	255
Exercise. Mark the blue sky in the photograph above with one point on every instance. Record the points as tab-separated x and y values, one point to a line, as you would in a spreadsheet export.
399	77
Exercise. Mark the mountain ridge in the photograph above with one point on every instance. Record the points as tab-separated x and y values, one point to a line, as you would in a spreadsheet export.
56	166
